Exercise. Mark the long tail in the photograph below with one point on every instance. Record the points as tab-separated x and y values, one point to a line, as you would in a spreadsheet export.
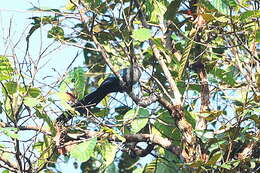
82	106
91	99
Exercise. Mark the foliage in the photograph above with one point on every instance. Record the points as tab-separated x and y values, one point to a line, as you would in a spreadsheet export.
200	60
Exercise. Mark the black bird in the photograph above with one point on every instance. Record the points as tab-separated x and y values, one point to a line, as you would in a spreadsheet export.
111	84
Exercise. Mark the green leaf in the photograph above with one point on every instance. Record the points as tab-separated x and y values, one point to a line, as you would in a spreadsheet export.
190	118
83	151
130	115
79	75
166	51
221	5
94	3
257	36
47	119
70	5
34	92
138	124
138	170
167	131
56	32
165	126
5	171
111	168
216	157
38	22
158	166
44	147
100	112
226	166
158	11
79	87
5	68
235	163
11	132
31	102
165	116
142	34
225	75
11	87
186	53
64	97
122	110
256	119
139	118
76	80
172	9
109	152
151	167
209	116
249	14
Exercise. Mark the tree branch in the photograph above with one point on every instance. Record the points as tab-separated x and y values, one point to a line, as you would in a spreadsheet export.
29	127
160	59
11	166
71	139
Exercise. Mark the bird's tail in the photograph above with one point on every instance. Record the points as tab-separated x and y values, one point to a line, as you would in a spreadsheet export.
91	99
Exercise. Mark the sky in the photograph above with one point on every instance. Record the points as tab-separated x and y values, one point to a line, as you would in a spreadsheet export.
17	13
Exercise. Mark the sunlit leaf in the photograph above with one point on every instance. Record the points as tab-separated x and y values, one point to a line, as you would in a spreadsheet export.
130	115
77	76
83	151
70	5
31	102
65	98
5	68
221	5
10	131
109	152
142	34
212	115
227	166
158	11
138	124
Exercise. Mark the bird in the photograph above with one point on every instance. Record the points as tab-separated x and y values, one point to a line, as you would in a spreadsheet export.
112	83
